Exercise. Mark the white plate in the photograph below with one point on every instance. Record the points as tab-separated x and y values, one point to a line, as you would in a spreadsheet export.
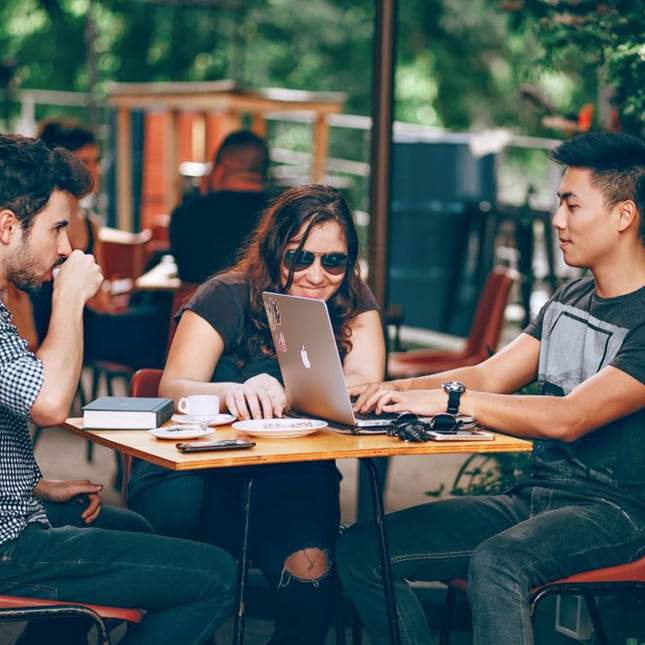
217	420
280	428
180	432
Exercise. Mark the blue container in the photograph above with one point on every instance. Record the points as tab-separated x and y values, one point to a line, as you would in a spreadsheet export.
437	186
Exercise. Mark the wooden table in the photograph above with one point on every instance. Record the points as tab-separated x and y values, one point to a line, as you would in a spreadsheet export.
321	446
162	277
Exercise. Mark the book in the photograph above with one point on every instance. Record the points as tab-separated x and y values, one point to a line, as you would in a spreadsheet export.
127	413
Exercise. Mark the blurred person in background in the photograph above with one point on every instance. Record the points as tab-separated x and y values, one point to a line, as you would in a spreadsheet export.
207	232
136	335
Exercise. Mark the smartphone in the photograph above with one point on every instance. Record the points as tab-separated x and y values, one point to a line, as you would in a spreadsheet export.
206	446
460	435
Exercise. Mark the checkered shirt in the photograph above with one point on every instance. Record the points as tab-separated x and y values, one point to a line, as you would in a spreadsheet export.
21	377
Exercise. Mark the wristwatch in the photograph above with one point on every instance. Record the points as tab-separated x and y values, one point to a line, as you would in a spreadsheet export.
454	389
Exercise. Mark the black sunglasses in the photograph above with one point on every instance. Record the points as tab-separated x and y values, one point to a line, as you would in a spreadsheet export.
408	427
334	263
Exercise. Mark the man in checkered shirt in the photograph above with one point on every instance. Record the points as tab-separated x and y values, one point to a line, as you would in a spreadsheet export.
186	587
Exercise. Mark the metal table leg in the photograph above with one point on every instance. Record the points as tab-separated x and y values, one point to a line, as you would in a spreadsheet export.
243	563
384	551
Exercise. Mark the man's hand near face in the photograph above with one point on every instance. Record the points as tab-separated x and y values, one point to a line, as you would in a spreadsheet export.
78	279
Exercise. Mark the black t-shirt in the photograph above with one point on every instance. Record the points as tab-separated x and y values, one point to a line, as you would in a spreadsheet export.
223	302
581	333
207	232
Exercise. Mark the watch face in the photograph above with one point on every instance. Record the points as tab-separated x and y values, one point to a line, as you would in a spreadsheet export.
454	386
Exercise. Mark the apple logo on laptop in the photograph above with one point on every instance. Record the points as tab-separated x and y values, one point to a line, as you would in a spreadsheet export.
305	357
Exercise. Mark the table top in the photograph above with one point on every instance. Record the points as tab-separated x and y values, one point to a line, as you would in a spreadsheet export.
162	277
322	445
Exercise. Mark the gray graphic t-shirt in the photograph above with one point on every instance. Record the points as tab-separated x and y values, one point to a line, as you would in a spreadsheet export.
579	335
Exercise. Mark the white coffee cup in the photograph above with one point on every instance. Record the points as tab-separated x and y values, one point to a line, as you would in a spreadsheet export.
199	406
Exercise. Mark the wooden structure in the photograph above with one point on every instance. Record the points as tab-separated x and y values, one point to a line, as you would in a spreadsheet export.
225	100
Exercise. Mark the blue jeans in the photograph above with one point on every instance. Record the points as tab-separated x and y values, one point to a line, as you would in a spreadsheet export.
186	588
293	507
505	545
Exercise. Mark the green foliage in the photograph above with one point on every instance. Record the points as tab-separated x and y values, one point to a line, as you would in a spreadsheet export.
579	36
458	65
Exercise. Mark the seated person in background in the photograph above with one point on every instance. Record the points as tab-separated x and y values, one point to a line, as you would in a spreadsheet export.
207	232
582	504
186	588
305	245
141	329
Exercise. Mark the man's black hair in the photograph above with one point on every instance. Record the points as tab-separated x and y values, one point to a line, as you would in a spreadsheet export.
246	150
65	133
616	162
30	171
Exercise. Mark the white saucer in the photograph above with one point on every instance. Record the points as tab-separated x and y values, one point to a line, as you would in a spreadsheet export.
180	432
282	428
217	420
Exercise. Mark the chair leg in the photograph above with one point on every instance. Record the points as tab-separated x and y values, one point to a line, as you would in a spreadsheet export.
596	621
339	623
357	628
448	613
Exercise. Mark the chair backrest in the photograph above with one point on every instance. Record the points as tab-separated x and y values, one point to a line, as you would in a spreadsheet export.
124	254
145	382
489	315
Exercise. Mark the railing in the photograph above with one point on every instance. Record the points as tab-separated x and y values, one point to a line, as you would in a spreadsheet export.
522	166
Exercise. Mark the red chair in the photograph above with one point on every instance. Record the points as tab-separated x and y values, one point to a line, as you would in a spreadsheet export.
482	341
625	579
144	382
124	253
19	609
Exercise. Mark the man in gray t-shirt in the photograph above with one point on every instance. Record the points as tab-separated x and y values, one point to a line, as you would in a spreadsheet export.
582	506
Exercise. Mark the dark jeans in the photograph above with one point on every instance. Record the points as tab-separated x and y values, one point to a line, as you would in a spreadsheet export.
294	506
504	545
187	588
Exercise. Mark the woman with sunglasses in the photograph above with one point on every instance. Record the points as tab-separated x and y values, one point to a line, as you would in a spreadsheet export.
305	245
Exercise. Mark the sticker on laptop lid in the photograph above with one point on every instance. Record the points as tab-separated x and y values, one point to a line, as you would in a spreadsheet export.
281	343
273	313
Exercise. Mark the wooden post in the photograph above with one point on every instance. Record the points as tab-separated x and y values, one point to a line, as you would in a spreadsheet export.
259	125
124	171
173	136
321	144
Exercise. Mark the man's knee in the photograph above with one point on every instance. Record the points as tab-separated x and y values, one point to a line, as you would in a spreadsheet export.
307	565
494	561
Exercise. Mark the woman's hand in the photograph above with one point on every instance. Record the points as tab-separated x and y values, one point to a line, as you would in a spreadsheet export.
51	490
260	397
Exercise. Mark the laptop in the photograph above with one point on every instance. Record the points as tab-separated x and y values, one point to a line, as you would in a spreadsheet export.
311	369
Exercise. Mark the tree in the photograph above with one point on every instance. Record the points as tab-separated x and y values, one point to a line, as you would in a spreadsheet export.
458	64
607	37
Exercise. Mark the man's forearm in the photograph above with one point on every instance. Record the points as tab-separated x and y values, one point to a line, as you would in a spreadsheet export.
61	353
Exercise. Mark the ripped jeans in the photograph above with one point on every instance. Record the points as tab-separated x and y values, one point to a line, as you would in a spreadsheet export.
295	508
504	545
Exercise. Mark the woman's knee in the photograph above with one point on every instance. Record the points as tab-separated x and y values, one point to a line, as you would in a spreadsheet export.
171	506
307	565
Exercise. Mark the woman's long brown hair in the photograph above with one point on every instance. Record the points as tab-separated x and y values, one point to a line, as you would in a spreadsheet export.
297	208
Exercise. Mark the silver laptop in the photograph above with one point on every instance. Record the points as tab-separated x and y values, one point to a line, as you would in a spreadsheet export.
313	374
